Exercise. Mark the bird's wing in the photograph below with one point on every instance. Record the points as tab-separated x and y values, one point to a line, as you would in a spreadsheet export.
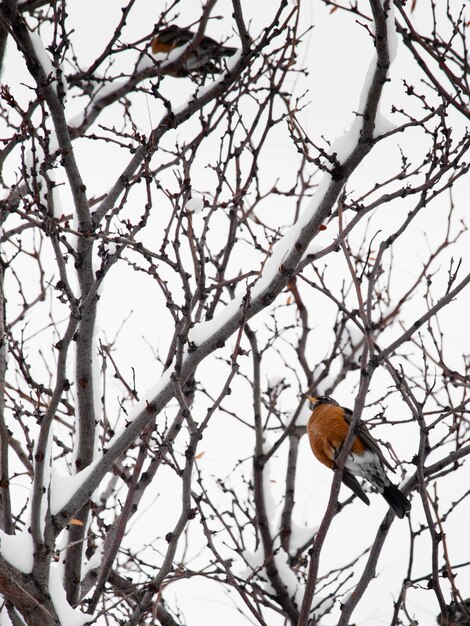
175	36
351	481
364	435
208	44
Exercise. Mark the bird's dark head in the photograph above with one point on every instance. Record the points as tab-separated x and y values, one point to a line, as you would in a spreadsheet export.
316	401
172	29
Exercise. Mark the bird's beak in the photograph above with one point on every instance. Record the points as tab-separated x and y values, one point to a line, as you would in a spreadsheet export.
311	398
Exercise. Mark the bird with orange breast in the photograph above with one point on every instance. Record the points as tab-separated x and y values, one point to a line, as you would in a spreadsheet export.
206	58
327	430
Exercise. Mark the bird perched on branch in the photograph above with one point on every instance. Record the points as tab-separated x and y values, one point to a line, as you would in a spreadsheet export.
327	429
206	58
458	614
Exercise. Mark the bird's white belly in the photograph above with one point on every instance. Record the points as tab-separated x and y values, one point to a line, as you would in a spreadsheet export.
367	466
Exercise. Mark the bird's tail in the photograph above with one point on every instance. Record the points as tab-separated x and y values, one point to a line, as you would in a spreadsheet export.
351	481
394	497
227	51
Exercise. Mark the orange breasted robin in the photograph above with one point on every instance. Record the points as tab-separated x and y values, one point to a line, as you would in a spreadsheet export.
204	59
327	429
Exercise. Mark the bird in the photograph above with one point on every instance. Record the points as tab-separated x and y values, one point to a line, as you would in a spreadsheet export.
206	58
458	614
327	429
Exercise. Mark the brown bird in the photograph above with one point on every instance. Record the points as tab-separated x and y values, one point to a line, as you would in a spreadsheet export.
327	429
206	58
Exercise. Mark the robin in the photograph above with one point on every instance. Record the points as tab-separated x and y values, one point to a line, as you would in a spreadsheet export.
205	58
458	614
327	429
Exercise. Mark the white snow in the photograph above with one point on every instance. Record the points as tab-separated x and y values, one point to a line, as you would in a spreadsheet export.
5	618
293	586
147	62
203	331
320	607
101	89
105	89
255	561
392	36
383	125
77	120
345	143
149	397
195	204
354	332
46	477
63	487
42	55
286	243
314	248
46	63
33	160
18	550
60	544
111	247
94	562
407	477
66	613
275	380
300	535
57	206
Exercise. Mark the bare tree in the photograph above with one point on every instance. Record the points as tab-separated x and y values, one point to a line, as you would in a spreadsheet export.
251	289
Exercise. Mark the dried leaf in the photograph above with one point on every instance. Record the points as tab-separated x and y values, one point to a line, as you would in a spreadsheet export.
199	456
76	522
